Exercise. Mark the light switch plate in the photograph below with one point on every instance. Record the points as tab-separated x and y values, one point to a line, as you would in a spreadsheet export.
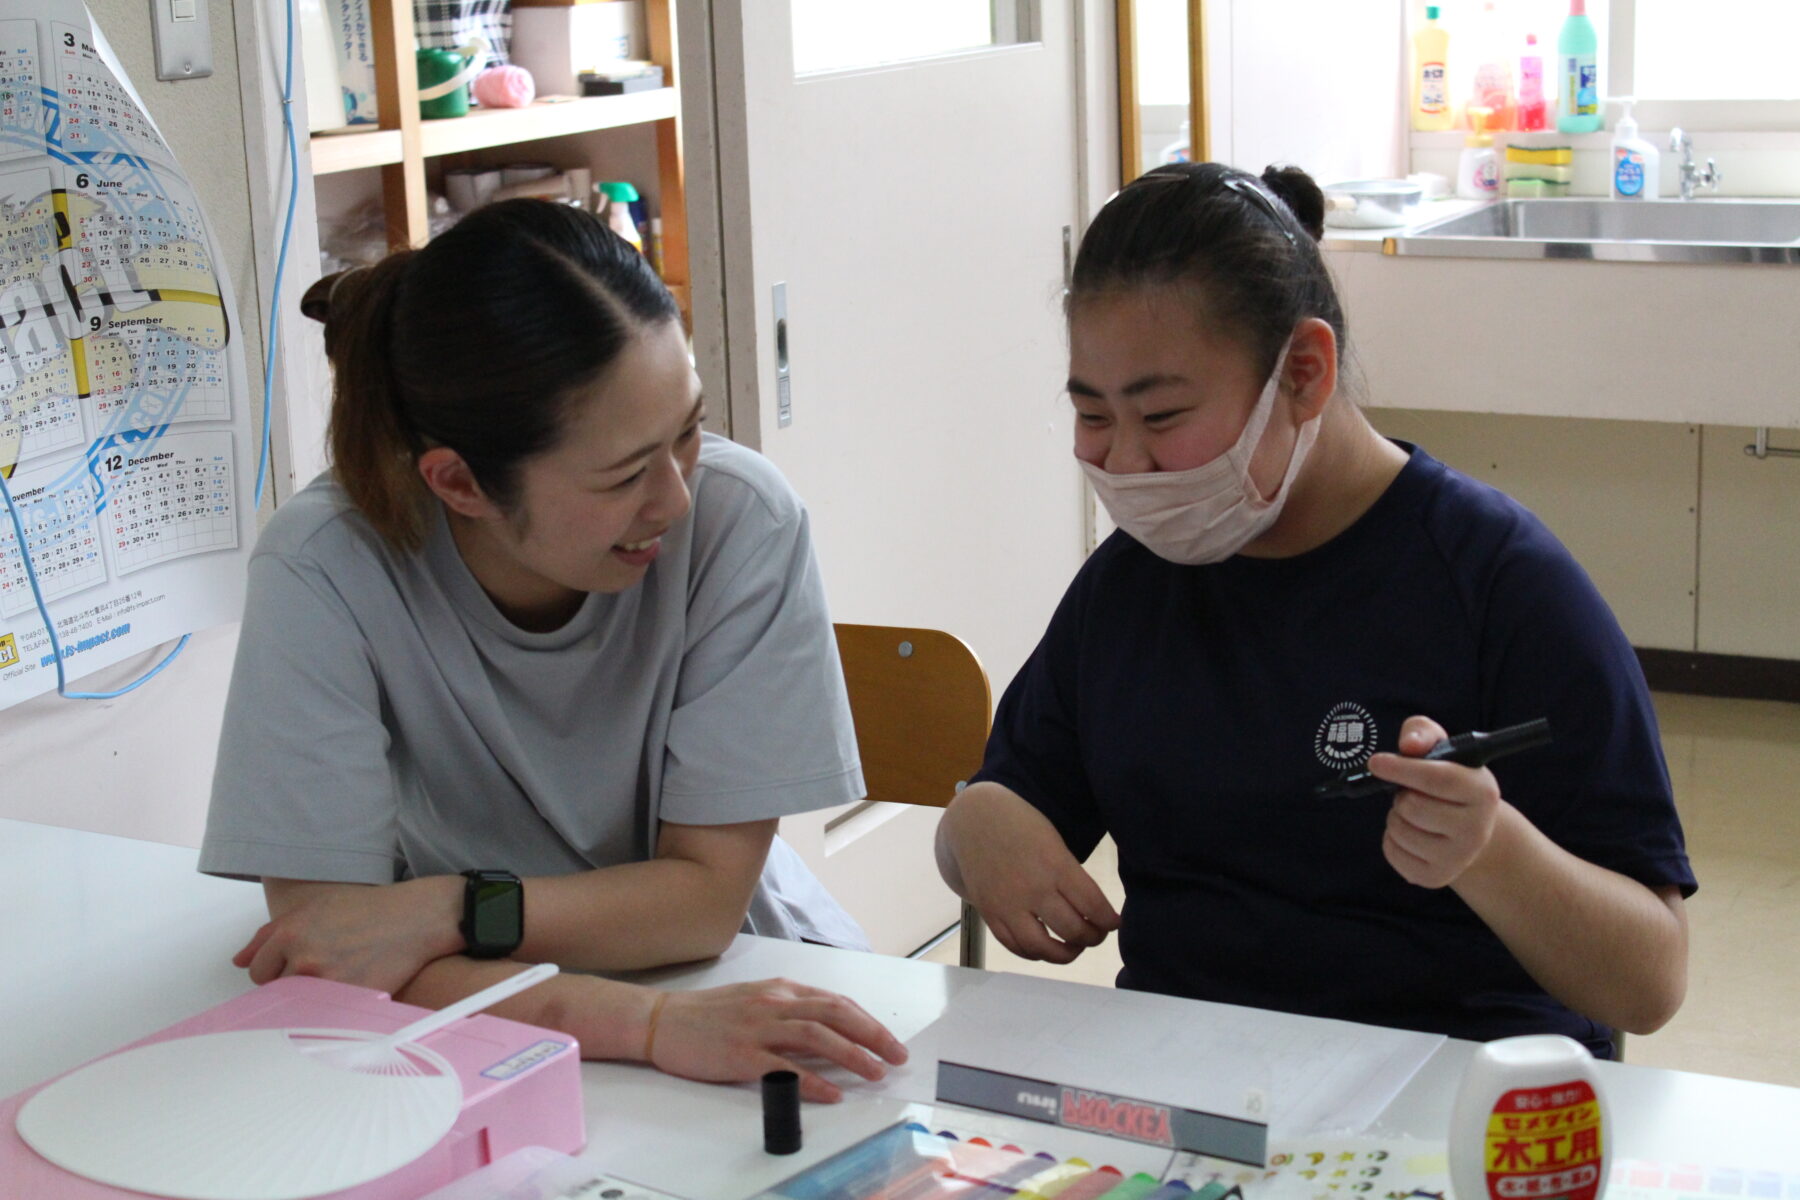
183	38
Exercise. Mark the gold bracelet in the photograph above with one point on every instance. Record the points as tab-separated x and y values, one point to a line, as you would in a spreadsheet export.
650	1033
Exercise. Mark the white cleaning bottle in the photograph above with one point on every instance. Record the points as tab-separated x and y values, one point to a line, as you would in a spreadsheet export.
1530	1121
1636	163
1478	170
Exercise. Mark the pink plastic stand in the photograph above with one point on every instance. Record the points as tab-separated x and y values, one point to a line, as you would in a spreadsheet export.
521	1087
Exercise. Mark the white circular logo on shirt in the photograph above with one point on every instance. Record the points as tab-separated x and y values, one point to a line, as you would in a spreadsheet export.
1346	737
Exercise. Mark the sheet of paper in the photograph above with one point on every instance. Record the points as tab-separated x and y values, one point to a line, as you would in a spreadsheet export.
1302	1075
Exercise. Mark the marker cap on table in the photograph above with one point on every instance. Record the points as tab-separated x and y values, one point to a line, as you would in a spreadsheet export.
781	1112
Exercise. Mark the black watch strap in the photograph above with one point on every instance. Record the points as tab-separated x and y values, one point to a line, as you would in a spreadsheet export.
493	917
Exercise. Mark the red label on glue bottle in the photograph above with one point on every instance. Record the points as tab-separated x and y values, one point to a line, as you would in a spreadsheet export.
1529	1123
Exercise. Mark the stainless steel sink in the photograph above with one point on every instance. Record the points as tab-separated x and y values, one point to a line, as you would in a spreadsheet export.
1649	231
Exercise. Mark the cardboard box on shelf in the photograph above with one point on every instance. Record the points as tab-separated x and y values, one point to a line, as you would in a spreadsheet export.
556	44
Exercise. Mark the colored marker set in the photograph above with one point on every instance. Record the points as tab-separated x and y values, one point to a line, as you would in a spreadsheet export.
1635	1179
910	1162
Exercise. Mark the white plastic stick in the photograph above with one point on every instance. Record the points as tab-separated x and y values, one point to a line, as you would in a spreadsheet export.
486	997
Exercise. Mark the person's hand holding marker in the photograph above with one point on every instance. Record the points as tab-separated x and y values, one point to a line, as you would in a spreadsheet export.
1446	802
1443	816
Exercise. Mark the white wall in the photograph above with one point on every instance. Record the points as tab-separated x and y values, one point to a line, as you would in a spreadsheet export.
141	765
1315	83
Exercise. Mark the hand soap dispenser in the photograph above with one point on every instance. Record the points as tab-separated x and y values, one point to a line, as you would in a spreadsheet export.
1636	163
1478	171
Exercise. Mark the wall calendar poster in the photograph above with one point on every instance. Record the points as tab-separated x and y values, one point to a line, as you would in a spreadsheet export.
126	441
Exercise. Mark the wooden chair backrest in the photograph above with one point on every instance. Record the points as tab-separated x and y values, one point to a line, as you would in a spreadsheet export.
922	708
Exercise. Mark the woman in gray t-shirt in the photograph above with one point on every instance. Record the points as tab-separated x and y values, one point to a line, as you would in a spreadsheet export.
536	622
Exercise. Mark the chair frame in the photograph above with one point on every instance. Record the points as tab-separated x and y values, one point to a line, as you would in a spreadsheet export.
923	707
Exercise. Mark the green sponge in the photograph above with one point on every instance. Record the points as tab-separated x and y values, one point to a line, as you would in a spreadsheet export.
1533	189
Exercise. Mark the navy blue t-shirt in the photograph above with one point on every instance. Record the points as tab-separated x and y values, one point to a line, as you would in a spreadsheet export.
1189	712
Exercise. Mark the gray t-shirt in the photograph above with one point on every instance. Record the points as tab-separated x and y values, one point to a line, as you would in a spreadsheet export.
386	721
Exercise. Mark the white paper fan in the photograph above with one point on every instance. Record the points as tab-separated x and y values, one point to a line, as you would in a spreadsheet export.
244	1115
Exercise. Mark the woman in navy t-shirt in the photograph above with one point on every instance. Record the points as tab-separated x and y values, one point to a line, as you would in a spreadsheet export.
1290	595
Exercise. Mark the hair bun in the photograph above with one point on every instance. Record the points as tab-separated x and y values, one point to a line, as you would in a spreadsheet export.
359	295
1302	196
316	303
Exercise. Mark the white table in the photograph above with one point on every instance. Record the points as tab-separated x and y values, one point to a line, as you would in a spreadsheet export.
116	939
106	940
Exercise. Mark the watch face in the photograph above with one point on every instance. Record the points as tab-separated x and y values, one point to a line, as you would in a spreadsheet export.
499	912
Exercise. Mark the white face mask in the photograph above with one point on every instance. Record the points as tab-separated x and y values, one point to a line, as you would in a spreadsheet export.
1209	513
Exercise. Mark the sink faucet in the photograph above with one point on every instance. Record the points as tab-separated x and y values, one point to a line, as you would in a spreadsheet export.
1691	174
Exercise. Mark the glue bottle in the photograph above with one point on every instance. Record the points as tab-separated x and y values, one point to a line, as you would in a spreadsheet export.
1530	1121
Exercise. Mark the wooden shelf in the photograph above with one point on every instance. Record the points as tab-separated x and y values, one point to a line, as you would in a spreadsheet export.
353	150
506	126
400	147
350	151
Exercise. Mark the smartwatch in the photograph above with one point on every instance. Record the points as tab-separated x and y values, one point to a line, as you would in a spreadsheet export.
493	920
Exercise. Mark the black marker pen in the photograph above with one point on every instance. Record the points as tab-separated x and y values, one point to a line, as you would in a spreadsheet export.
1473	749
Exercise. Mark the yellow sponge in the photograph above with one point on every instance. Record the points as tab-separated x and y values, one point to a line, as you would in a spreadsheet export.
1562	156
1519	170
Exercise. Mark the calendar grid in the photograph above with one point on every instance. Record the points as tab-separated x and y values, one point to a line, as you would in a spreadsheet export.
159	356
39	411
97	113
154	378
136	234
61	535
173	501
21	99
27	230
42	409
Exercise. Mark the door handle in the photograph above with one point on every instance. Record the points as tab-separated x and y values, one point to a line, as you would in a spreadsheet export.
784	383
1760	448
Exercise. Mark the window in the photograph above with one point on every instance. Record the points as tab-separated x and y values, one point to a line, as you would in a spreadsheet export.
1701	67
841	35
1161	27
1744	52
1708	69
